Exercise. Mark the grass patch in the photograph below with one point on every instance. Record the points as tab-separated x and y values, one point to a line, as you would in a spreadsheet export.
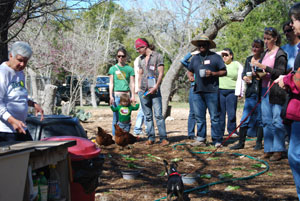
179	104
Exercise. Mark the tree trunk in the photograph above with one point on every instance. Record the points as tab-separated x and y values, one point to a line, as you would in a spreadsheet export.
210	32
33	83
166	86
93	96
81	96
48	99
5	14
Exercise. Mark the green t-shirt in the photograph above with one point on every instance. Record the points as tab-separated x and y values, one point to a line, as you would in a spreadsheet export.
124	112
121	76
229	81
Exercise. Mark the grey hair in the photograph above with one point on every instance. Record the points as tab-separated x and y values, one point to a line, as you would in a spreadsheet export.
21	48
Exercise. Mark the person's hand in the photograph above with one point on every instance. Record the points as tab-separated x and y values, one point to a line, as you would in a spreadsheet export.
17	124
111	100
132	100
38	109
191	79
208	73
153	90
280	82
257	64
247	80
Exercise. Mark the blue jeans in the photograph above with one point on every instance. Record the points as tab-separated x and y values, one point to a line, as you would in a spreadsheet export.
115	114
153	101
294	154
228	104
203	101
274	131
191	118
125	126
140	119
254	120
255	117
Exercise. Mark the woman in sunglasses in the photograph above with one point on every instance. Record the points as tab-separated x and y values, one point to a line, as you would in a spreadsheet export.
273	63
231	87
252	96
121	81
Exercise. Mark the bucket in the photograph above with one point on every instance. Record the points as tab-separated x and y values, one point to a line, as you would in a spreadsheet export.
130	174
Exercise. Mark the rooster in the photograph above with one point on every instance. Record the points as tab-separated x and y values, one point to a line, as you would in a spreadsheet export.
123	138
102	138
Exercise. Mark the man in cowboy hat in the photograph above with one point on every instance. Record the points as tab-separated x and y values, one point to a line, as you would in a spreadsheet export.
207	67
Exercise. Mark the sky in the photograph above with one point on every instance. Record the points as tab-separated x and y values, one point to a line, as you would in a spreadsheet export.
126	4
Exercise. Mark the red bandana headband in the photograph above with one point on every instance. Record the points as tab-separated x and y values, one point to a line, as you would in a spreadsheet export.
140	43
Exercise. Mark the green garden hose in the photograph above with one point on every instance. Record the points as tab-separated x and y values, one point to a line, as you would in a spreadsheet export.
227	180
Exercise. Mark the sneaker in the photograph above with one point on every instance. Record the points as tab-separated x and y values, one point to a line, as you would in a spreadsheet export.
149	142
164	142
198	143
234	135
218	145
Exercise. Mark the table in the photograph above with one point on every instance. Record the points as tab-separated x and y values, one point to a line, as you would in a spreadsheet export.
16	157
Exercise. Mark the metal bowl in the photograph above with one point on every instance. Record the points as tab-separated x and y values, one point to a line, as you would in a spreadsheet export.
190	178
130	174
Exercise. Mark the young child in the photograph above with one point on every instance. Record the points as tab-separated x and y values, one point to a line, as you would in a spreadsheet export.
124	111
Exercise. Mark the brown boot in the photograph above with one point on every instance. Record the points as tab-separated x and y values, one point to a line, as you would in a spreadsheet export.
267	155
277	156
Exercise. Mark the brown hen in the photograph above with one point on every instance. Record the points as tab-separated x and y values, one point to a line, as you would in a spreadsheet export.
102	138
123	138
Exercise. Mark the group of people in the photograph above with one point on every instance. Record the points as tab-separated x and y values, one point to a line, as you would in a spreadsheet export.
271	75
149	67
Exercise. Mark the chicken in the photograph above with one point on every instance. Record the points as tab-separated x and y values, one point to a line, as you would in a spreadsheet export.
123	138
102	138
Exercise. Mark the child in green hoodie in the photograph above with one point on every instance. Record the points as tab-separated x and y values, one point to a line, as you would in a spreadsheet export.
124	110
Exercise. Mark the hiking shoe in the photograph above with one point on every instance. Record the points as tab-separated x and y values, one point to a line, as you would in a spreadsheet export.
267	155
164	142
277	156
198	143
149	142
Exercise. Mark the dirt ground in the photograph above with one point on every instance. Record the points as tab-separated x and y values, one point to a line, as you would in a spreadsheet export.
276	184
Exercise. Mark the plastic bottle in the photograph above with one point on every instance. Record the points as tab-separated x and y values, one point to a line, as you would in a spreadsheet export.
43	185
54	190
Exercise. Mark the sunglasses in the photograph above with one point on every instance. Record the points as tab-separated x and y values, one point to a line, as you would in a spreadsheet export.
225	55
287	31
121	56
270	29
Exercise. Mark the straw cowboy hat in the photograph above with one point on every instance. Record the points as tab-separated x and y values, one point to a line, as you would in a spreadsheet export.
203	38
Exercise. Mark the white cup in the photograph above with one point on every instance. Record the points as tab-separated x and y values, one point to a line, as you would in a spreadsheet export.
249	75
202	72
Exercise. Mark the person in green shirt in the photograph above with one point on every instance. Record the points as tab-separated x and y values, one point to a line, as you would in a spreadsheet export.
124	111
231	87
121	81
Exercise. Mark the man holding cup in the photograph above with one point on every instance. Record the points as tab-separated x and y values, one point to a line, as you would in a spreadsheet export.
207	67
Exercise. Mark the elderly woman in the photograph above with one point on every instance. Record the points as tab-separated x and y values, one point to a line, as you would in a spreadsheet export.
273	63
14	100
231	87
